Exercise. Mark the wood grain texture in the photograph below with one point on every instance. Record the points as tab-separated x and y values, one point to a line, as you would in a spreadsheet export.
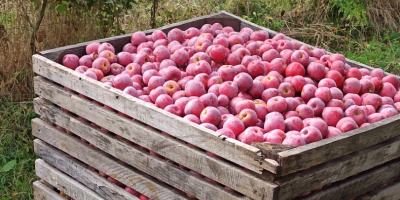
120	171
359	184
389	192
338	169
228	148
81	172
42	192
158	168
232	176
322	151
63	182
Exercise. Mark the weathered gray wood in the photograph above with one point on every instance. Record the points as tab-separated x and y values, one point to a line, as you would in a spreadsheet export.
197	160
322	151
359	184
81	172
159	168
42	192
63	182
389	192
121	172
338	169
228	148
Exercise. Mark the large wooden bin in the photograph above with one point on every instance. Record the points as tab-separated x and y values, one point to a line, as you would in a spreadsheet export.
342	167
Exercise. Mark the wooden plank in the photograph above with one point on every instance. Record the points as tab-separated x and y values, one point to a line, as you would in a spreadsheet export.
158	168
359	184
338	169
389	192
121	172
228	148
244	182
42	192
63	182
81	172
322	151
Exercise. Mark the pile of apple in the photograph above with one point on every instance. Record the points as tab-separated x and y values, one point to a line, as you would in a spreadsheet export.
244	85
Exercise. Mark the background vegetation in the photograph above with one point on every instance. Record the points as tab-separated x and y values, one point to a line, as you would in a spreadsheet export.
364	30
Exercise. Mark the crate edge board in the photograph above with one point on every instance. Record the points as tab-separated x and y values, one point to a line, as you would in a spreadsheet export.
63	182
42	192
359	184
149	164
81	173
242	154
339	168
386	193
232	177
348	142
142	183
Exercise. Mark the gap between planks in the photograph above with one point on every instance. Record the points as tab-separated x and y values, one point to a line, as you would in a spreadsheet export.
63	182
81	172
42	192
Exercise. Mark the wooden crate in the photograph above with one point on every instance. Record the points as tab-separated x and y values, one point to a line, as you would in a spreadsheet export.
273	172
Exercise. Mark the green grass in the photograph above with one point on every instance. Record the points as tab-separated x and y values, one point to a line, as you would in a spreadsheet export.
383	54
16	147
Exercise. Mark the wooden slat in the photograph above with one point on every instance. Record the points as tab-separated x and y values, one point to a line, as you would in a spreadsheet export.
121	172
390	192
63	182
216	169
42	192
359	184
338	169
80	172
159	168
228	148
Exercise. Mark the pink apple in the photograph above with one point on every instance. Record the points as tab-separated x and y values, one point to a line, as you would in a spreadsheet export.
311	134
336	93
308	92
300	56
244	81
375	117
194	107
277	104
248	117
227	132
377	72
275	136
367	86
250	135
294	69
194	88
327	82
210	115
274	123
332	132
298	82
351	85
357	113
372	99
317	105
305	111
388	90
346	124
234	124
293	124
294	140
229	88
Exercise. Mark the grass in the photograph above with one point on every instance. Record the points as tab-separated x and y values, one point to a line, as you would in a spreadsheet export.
16	111
16	147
